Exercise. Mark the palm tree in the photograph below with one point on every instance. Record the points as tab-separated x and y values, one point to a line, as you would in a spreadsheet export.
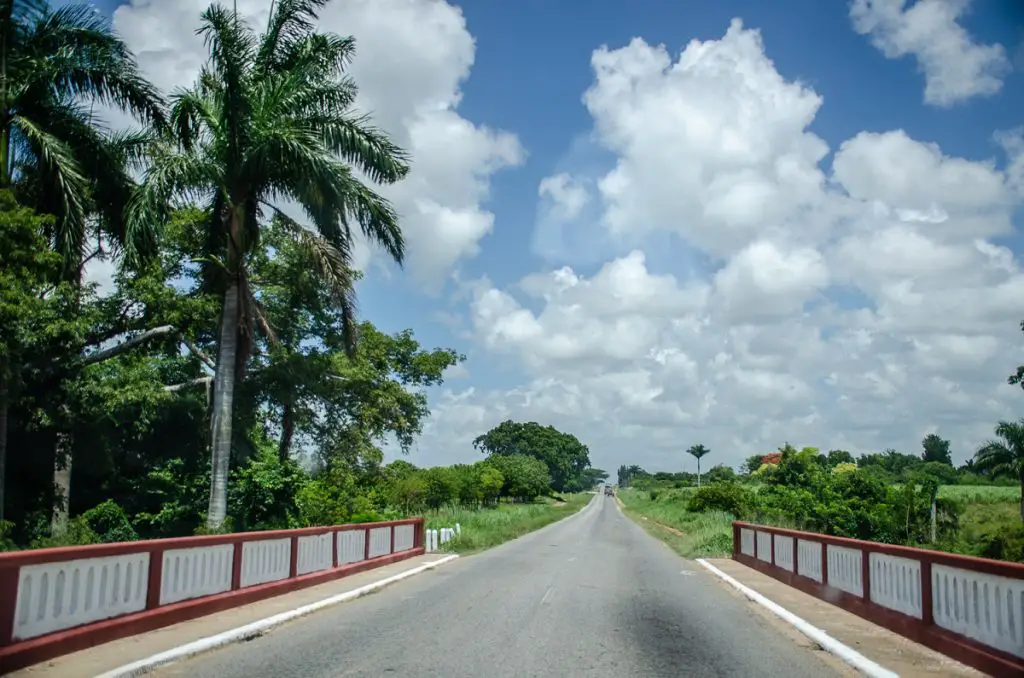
54	66
698	451
1004	456
270	118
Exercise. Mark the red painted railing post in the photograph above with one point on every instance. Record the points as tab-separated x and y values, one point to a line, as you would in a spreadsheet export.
155	578
391	547
736	544
334	547
366	544
865	572
927	596
824	563
771	536
236	567
293	566
755	543
9	594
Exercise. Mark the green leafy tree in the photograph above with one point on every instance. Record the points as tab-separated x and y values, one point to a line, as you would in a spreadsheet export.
936	449
525	478
836	457
1004	455
270	118
752	463
565	457
26	313
698	451
720	473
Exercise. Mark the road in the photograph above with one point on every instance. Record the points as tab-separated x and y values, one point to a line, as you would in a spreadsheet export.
593	595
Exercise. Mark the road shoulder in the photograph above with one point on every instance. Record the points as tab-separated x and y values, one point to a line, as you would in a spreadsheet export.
896	653
104	658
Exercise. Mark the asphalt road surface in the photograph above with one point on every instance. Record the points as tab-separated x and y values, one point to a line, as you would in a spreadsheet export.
593	595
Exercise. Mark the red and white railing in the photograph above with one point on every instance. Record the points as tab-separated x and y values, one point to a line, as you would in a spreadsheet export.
55	601
971	609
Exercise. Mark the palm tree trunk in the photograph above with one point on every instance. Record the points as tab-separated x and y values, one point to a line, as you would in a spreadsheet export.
1022	497
223	405
4	408
284	448
61	482
698	471
7	11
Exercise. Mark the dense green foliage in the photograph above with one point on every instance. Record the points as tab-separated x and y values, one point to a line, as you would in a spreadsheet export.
888	497
566	459
222	380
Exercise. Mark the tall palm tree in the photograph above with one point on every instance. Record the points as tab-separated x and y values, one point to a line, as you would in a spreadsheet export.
698	451
1004	456
270	118
55	65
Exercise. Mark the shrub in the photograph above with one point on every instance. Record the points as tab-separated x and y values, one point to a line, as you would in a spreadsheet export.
110	522
728	497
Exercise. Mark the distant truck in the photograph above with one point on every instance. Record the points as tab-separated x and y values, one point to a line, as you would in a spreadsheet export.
608	490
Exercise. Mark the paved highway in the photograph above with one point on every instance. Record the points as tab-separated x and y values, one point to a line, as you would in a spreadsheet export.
593	595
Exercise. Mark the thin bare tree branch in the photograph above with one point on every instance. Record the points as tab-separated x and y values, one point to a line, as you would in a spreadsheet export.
108	353
174	388
197	352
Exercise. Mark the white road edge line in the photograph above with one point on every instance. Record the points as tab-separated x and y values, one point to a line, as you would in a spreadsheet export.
261	626
827	642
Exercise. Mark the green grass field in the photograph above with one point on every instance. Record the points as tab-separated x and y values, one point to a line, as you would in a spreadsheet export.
988	513
488	527
693	535
980	494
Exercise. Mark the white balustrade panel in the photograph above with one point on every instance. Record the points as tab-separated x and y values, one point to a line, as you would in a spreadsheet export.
58	596
351	546
747	542
315	553
431	536
845	569
983	607
764	546
808	560
405	536
195	572
896	583
784	552
380	541
266	560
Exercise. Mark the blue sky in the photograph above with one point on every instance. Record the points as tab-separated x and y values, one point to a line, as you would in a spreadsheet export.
527	77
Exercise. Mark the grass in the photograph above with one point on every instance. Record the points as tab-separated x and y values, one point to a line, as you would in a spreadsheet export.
990	524
488	527
980	494
691	535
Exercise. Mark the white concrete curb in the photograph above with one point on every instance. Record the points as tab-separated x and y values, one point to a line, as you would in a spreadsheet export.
827	642
258	628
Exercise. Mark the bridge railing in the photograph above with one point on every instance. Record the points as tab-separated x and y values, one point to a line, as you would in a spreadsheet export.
971	609
59	600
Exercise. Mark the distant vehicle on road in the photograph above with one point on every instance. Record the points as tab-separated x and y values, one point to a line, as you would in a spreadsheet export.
608	490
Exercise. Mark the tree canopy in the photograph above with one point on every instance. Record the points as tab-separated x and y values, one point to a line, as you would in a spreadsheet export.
565	457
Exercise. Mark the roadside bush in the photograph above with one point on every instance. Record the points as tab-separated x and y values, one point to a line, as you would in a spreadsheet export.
729	497
110	523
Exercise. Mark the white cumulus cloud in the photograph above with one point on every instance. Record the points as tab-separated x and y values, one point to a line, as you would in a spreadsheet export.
956	68
860	303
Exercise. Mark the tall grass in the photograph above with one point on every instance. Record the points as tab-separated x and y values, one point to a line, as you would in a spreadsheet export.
692	535
486	527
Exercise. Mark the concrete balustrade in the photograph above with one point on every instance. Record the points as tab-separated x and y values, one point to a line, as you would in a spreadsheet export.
56	601
971	609
435	538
